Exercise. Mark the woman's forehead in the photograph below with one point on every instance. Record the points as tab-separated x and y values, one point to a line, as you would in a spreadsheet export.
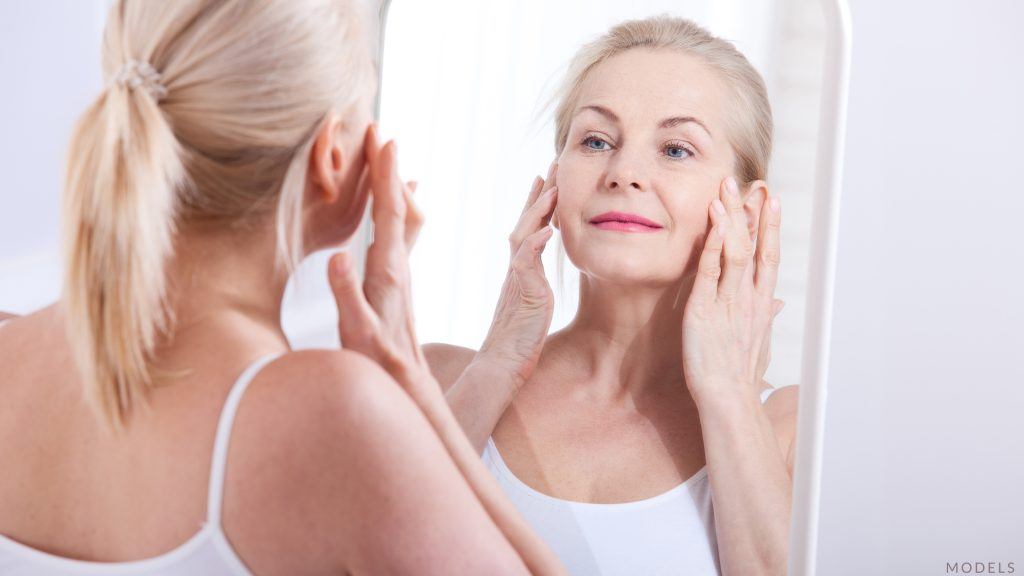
642	84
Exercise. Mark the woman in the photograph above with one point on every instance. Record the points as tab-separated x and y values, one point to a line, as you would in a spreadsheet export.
154	421
634	439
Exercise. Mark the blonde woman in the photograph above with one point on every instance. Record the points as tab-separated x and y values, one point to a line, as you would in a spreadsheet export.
154	421
642	438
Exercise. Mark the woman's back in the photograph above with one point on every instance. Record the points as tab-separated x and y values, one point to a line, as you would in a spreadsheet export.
323	453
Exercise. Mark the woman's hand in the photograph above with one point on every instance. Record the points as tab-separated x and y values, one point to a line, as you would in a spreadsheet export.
523	314
375	316
727	320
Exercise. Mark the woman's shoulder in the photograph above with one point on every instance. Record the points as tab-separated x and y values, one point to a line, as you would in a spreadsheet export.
781	409
328	466
447	361
314	431
325	392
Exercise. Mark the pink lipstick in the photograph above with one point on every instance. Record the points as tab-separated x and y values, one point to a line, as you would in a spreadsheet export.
624	222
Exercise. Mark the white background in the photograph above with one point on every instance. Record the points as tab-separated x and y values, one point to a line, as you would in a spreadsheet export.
924	461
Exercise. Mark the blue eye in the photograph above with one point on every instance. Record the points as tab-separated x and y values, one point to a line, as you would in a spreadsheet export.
594	143
677	152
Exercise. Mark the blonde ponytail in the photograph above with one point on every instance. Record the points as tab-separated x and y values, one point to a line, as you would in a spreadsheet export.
118	213
208	117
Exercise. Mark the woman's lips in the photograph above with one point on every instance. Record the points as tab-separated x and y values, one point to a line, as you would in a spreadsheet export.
624	222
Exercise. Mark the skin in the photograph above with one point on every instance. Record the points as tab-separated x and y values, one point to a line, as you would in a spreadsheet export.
331	439
660	371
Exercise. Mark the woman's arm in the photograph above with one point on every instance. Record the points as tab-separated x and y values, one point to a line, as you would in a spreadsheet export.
726	328
6	316
751	484
488	382
375	319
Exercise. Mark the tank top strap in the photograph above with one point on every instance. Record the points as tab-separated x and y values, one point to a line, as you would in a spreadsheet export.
215	494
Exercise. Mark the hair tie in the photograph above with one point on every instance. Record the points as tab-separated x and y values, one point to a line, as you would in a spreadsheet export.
135	74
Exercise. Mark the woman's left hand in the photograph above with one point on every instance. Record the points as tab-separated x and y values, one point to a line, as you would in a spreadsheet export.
728	317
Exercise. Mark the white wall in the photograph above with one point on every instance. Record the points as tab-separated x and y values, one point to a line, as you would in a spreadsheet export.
924	461
50	65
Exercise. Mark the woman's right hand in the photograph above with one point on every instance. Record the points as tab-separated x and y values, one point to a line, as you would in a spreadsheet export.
375	315
525	307
376	319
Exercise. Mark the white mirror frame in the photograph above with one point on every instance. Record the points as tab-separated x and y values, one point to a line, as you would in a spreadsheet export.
820	278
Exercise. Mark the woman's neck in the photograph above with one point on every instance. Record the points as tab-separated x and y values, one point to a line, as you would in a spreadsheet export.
218	274
628	337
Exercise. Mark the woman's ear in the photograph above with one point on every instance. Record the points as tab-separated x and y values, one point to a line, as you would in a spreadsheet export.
328	161
754	198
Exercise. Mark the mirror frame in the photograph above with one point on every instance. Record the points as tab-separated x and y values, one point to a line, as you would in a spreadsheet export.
820	278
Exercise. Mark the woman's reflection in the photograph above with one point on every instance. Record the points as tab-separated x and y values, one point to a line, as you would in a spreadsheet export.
641	439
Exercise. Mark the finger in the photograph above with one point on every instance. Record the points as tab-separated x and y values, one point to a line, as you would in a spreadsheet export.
356	319
738	252
551	180
387	254
709	267
534	218
371	145
768	249
413	217
535	190
527	260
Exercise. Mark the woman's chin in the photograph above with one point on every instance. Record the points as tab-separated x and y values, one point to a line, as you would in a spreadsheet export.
627	265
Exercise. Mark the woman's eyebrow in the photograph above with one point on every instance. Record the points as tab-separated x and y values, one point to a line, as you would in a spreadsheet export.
600	110
677	120
666	123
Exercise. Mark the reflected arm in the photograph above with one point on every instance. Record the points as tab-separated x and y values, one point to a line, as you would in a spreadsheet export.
749	452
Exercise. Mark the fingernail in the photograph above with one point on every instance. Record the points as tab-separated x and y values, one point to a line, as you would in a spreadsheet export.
774	203
732	187
719	207
340	263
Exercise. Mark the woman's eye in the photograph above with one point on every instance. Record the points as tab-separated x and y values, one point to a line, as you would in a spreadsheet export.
595	143
677	152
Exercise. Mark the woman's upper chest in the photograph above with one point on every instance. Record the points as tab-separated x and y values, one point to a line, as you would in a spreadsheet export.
582	447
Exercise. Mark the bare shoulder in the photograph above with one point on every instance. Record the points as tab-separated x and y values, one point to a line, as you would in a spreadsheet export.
305	425
781	408
325	448
447	361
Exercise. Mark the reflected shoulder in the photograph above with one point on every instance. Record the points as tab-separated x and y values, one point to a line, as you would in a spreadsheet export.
447	361
781	409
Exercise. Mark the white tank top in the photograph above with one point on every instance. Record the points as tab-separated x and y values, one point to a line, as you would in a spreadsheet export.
669	534
207	553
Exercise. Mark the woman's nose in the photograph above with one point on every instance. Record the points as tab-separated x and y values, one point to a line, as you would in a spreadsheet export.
625	173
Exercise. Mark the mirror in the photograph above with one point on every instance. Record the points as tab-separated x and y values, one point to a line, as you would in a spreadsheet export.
464	89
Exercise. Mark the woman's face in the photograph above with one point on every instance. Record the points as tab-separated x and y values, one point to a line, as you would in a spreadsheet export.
647	139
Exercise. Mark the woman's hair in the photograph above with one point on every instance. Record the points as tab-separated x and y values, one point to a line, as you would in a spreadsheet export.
209	115
749	128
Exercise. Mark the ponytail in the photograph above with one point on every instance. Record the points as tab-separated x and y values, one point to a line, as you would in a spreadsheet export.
123	171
